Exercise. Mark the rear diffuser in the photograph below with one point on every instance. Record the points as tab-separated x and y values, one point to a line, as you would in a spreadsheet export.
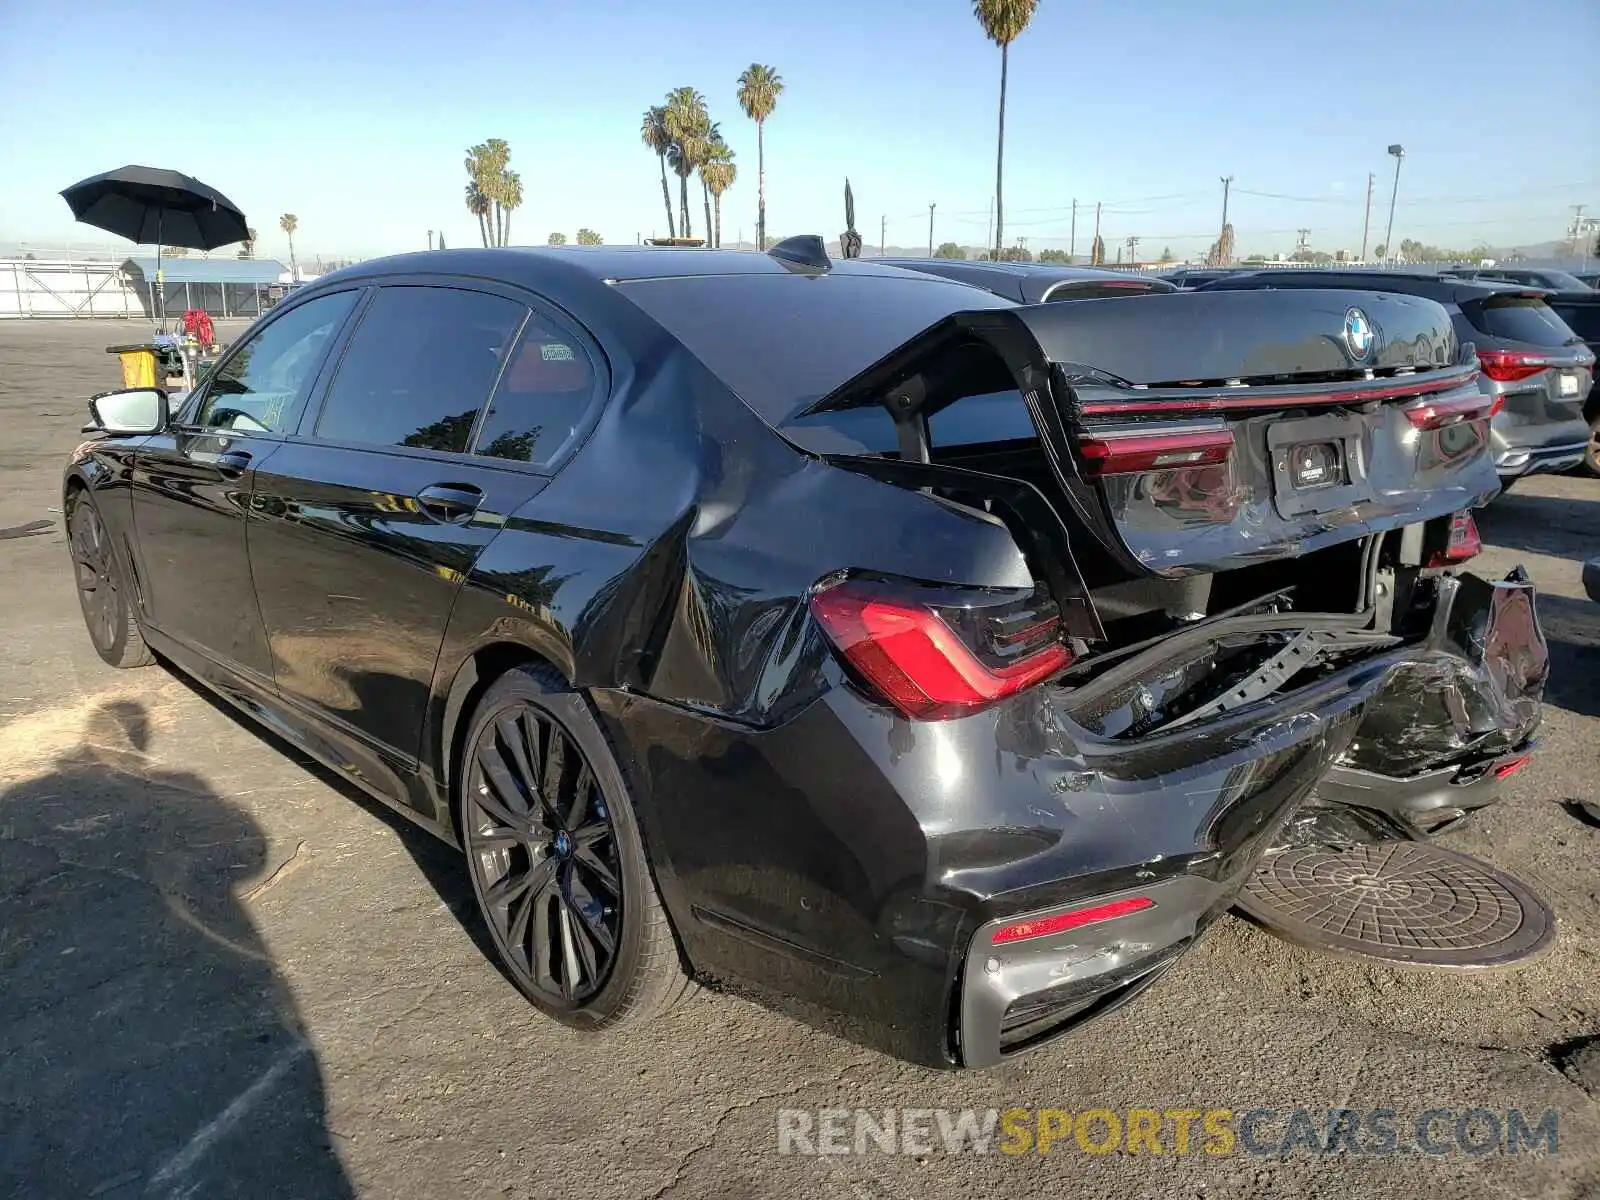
1400	902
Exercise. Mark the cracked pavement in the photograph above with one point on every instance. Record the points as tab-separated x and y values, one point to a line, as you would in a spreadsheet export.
225	976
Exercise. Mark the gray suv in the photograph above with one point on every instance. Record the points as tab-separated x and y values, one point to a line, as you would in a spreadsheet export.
1537	370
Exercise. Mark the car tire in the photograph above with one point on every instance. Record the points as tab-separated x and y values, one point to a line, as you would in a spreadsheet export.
546	820
1591	454
103	595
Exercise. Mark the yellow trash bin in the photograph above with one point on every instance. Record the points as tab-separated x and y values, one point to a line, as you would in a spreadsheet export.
138	365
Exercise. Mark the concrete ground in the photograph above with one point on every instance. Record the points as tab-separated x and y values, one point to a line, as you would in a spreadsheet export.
220	975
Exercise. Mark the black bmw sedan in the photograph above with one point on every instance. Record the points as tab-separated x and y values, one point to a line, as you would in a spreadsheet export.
851	636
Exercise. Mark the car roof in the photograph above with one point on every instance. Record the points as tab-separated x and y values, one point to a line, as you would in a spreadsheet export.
519	264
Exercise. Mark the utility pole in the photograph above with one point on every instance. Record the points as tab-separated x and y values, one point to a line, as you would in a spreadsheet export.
1302	243
1072	244
931	207
1399	153
1133	245
883	235
1224	251
1579	234
430	239
1096	241
1366	222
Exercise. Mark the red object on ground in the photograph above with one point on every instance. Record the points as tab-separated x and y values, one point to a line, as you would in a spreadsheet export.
198	322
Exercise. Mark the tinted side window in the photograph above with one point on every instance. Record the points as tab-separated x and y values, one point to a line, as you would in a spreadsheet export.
1582	319
547	387
256	388
1518	319
419	367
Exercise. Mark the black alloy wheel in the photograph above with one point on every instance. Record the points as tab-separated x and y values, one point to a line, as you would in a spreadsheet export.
544	855
106	609
556	859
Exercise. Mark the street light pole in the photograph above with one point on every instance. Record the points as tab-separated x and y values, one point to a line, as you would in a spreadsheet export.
931	207
1399	153
1224	251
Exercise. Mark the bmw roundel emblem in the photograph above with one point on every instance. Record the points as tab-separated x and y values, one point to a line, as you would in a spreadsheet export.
1358	335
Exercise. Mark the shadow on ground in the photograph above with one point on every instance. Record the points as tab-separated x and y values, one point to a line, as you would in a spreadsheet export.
1560	526
441	864
1572	629
147	1045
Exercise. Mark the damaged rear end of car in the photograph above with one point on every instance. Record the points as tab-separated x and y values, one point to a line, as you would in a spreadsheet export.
1245	515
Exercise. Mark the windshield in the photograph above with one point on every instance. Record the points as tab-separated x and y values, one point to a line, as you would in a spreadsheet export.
1564	282
784	341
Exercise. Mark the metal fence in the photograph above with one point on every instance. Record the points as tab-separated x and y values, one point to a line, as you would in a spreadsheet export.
66	288
31	287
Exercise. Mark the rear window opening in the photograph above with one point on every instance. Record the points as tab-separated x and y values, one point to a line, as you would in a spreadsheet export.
1105	289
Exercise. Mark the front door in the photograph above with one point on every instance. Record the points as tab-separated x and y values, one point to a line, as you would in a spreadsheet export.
365	525
192	486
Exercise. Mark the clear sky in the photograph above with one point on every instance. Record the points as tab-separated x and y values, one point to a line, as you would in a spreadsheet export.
355	115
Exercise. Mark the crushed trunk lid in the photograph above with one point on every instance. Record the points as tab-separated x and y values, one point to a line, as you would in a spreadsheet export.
1194	432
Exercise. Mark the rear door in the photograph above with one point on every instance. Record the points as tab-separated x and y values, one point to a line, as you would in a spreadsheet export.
365	524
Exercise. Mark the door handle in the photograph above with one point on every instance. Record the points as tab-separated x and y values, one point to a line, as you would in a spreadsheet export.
233	462
453	503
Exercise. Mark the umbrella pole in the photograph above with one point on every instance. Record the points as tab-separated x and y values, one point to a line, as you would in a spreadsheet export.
161	285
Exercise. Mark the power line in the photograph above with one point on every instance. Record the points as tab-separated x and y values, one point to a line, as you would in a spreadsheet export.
1521	194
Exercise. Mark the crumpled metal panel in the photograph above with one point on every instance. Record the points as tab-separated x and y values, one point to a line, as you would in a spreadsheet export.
1472	691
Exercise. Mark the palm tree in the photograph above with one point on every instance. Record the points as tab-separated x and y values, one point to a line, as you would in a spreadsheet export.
653	133
718	172
289	223
1003	22
759	89
486	167
687	124
497	154
478	206
510	198
712	147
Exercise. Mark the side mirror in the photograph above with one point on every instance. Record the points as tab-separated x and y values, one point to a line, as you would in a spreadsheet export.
131	411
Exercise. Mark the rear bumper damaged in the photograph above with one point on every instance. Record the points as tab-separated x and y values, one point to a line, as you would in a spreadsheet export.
854	867
1455	720
1420	734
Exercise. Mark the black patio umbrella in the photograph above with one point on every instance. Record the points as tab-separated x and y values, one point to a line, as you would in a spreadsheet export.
154	207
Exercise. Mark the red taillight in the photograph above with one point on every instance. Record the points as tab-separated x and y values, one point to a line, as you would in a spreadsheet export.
1061	922
1436	414
910	649
1128	453
1508	366
1511	767
1463	542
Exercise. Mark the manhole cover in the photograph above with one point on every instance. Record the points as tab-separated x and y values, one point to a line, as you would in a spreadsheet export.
1401	902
